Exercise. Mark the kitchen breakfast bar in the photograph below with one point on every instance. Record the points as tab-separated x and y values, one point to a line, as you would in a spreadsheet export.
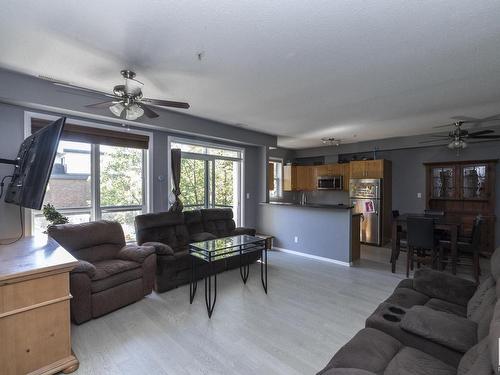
321	231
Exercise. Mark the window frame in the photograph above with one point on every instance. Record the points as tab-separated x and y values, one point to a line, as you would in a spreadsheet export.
210	192
278	181
95	208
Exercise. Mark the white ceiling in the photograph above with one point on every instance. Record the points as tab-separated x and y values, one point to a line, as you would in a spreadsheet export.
351	69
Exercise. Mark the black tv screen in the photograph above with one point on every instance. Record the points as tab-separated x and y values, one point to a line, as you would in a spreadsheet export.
34	166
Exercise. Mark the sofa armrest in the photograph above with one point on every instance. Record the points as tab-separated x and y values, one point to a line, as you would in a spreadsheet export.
85	267
135	253
242	230
447	287
160	248
447	329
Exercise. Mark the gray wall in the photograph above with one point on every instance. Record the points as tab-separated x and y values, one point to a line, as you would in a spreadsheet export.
321	232
12	131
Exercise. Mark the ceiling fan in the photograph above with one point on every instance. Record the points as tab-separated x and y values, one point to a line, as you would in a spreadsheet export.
458	138
127	101
330	141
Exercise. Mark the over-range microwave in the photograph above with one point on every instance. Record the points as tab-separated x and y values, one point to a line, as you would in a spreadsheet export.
330	183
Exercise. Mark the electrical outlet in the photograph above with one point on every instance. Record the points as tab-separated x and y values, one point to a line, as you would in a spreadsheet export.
296	239
248	195
419	195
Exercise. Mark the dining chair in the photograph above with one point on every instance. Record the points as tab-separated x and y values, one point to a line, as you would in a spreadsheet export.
422	246
467	248
401	234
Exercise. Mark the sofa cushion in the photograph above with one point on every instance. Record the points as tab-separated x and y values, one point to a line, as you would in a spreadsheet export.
406	297
447	329
193	221
440	285
410	361
493	336
479	295
483	325
218	221
452	308
202	236
92	241
165	227
476	360
495	264
107	268
489	299
115	280
369	350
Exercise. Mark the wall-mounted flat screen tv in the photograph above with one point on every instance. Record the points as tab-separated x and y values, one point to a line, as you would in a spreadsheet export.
33	166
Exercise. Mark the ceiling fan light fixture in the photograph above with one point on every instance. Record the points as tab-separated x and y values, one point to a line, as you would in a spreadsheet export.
117	109
457	144
133	112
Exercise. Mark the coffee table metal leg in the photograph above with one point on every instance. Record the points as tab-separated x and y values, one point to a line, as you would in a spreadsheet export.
193	284
263	268
208	291
244	269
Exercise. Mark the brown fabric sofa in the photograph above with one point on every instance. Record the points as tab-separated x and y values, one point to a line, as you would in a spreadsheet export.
432	324
171	233
109	274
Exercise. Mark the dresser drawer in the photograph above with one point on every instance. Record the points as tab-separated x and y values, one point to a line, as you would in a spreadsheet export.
34	292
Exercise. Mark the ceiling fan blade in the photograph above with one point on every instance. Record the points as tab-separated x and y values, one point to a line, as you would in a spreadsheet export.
439	135
148	111
486	137
71	86
480	132
445	125
105	104
165	103
432	140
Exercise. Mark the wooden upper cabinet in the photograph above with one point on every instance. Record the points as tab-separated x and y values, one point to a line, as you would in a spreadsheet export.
347	175
367	169
305	178
289	178
270	176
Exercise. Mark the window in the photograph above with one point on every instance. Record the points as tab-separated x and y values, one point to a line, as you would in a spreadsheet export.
210	176
92	181
277	191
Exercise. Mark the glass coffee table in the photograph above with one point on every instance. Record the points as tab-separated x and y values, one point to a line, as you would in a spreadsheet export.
212	251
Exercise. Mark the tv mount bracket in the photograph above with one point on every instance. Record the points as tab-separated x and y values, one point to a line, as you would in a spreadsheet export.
9	161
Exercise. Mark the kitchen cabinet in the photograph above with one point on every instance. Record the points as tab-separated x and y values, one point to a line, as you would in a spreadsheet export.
270	176
289	178
367	169
305	178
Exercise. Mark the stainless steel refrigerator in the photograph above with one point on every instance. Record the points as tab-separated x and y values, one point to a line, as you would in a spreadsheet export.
366	196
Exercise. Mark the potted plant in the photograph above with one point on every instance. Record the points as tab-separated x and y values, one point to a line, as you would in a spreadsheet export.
53	216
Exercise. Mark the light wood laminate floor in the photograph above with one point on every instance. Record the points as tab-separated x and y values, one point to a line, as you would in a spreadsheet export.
312	309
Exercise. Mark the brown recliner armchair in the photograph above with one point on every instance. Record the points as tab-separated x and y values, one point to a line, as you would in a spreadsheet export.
109	274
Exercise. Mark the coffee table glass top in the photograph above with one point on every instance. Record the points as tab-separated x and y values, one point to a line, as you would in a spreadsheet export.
226	246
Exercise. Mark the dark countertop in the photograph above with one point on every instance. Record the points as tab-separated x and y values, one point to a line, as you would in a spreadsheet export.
311	205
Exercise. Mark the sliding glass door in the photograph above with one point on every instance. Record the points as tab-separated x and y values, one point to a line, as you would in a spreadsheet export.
210	176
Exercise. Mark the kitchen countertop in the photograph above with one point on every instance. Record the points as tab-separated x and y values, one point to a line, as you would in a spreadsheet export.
311	205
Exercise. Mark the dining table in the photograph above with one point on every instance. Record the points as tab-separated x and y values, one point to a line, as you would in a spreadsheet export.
446	223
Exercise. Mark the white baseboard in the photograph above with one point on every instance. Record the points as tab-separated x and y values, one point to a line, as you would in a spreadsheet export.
305	255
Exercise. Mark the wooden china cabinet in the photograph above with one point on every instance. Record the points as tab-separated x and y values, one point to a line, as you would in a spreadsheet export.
464	189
